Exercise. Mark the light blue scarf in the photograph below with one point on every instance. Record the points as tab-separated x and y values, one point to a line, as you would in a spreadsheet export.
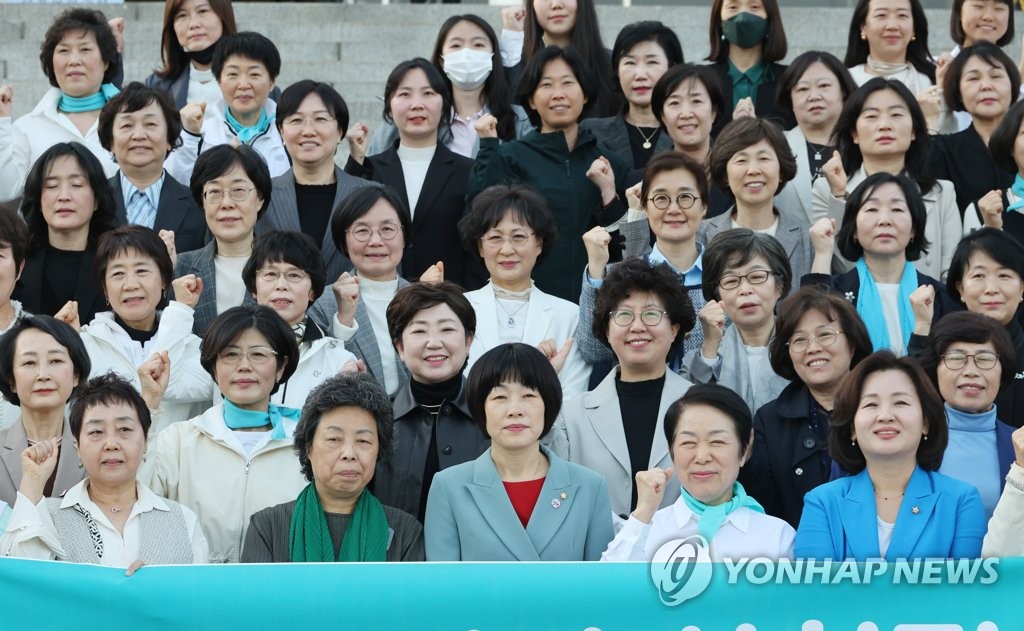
237	418
247	134
869	306
1018	190
75	104
711	518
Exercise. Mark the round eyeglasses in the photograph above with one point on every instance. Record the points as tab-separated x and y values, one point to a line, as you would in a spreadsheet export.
625	317
661	201
363	234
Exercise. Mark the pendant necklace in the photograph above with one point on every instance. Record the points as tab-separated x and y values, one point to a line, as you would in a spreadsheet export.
511	322
647	139
817	150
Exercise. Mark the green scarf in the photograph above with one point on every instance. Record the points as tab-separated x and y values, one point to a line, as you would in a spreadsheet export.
711	518
366	538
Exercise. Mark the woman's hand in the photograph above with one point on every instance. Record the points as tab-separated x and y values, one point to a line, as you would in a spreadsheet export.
930	101
353	366
358	136
823	240
744	108
37	465
346	294
1018	445
187	289
922	303
6	101
596	242
486	126
602	175
117	25
154	375
941	66
134	567
633	196
167	236
990	207
555	355
650	488
68	314
433	274
712	323
513	19
192	117
835	175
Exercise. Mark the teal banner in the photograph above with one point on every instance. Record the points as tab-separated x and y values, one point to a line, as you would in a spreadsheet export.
942	596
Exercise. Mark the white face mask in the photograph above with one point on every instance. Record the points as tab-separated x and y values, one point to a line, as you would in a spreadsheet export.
467	68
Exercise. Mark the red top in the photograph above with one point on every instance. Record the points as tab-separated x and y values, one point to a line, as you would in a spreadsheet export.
523	496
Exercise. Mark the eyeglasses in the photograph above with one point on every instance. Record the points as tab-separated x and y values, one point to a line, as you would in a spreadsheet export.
257	355
824	337
625	317
363	234
292	277
984	360
237	194
318	122
494	240
732	281
661	201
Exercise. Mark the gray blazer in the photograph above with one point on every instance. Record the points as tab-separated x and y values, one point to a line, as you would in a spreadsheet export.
792	233
13	441
201	263
283	214
589	431
613	133
470	517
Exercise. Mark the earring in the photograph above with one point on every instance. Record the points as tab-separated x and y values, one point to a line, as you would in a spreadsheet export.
853	441
144	458
723	37
926	436
863	37
81	466
913	38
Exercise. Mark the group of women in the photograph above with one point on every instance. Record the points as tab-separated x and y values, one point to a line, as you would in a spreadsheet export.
797	331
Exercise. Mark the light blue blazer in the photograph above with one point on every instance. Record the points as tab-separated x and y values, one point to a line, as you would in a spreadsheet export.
470	517
940	518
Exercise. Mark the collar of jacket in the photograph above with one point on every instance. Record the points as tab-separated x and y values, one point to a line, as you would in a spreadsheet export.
553	142
404	401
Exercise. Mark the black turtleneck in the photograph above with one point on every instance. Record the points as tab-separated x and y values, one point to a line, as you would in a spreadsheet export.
137	335
433	395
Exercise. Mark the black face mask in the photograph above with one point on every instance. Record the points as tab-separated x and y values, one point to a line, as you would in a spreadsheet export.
202	57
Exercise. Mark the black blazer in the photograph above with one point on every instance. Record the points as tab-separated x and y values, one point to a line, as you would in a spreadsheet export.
765	105
963	159
29	289
442	202
848	286
176	210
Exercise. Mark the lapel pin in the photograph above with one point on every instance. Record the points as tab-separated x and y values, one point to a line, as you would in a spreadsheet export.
915	510
563	496
555	503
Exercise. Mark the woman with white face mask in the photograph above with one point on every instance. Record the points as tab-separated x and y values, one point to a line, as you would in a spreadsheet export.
465	53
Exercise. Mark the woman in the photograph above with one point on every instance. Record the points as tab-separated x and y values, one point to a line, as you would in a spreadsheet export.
511	228
642	314
42	361
747	41
1003	536
888	433
883	230
985	83
466	53
285	273
432	327
67	206
79	56
13	250
236	458
232	185
882	129
567	24
246	66
812	90
751	162
745	275
109	518
970	358
344	432
518	501
889	39
818	339
192	29
312	118
564	163
642	53
134	271
709	428
1003	210
433	178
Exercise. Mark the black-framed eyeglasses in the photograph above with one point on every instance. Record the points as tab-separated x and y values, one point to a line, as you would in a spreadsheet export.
625	317
984	360
824	337
363	234
661	201
756	277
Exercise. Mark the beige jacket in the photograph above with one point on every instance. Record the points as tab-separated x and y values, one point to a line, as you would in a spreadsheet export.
1004	529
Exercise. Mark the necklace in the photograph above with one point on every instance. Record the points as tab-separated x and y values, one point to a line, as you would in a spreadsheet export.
818	150
647	139
893	497
511	322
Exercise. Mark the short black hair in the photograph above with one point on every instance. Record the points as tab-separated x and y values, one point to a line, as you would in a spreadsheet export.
357	390
59	331
249	45
229	326
291	100
672	160
636	275
775	46
416	297
359	202
718	397
533	72
638	33
107	389
999	246
80	19
972	328
513	363
1000	145
676	76
846	240
434	78
990	54
14	235
956	28
840	436
285	246
134	97
126	239
220	159
737	247
740	134
796	69
520	201
104	218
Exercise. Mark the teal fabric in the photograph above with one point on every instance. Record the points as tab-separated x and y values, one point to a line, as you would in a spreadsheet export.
247	134
869	306
745	84
237	418
76	104
711	518
1018	190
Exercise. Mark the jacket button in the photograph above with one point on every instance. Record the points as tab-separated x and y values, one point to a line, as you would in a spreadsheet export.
446	450
798	471
809	443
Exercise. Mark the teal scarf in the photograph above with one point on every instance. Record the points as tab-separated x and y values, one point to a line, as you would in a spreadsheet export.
309	540
1018	190
711	518
75	104
247	134
237	418
869	306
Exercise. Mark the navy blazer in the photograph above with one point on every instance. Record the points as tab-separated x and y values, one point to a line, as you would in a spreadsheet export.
175	210
470	517
939	518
